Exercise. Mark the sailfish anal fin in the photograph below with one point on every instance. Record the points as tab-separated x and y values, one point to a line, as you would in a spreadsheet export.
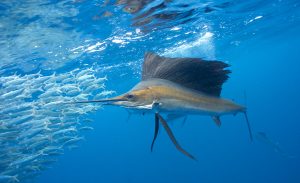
172	137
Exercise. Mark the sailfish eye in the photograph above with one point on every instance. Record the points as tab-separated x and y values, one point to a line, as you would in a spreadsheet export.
130	96
130	9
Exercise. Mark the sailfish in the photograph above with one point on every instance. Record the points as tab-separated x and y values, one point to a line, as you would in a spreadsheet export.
178	87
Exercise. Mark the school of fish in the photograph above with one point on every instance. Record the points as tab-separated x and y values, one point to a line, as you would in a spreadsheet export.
34	127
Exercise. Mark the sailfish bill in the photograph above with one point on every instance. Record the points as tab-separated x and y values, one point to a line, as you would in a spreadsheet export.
104	101
178	87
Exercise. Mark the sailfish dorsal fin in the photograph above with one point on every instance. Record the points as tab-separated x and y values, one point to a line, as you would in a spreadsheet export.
195	73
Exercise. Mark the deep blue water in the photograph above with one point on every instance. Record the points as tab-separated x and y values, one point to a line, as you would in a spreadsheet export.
259	39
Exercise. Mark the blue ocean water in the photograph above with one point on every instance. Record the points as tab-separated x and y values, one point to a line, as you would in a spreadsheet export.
54	51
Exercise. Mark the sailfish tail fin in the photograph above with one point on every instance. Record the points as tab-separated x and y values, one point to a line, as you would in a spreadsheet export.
246	116
249	126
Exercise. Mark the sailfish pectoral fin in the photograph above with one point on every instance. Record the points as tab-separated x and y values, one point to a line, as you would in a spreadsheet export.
172	137
217	120
155	131
249	127
129	116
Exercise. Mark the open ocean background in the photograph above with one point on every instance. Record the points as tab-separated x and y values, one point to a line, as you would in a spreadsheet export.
53	51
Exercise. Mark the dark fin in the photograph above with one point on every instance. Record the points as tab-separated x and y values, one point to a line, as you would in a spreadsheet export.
155	131
184	121
249	127
129	116
195	73
217	120
172	137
